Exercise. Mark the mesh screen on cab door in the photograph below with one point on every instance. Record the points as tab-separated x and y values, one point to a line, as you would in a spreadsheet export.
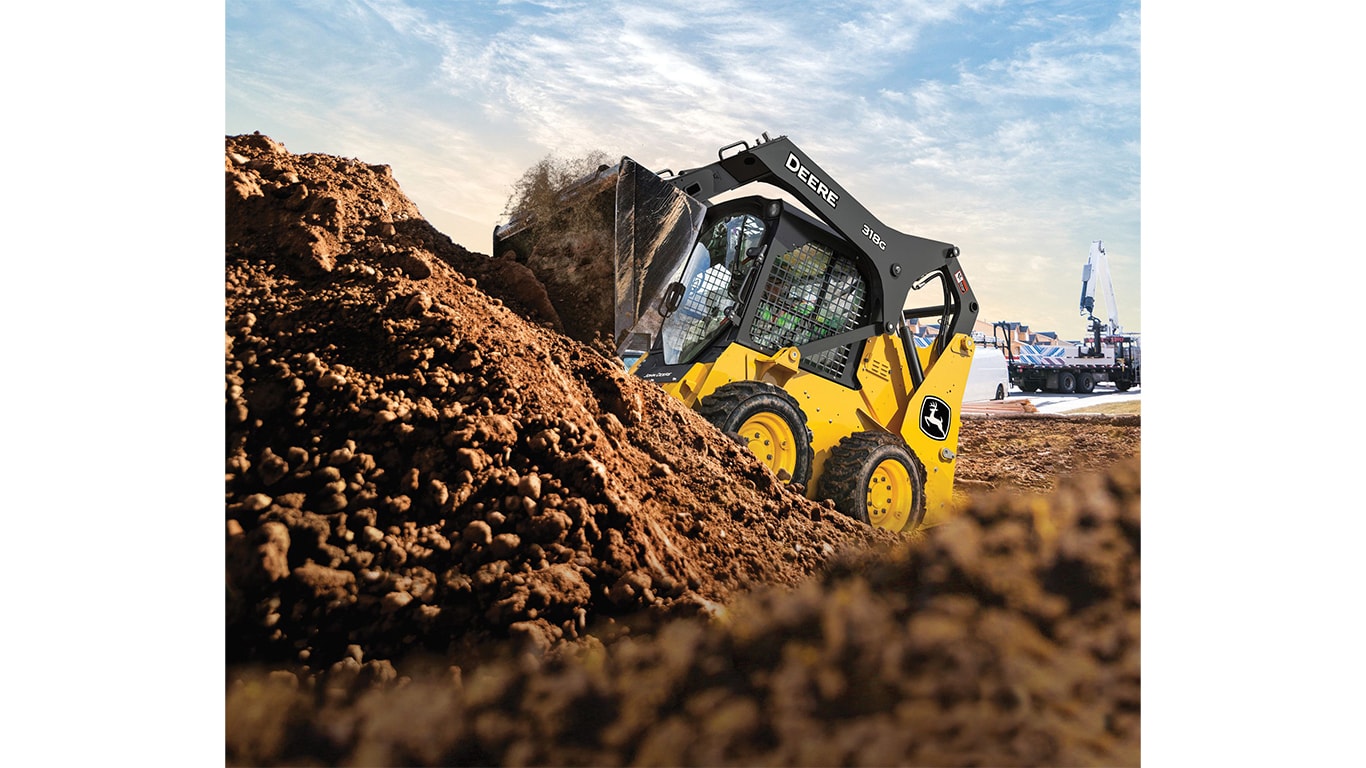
812	293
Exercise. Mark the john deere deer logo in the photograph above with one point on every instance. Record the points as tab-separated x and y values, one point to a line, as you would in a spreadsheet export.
934	418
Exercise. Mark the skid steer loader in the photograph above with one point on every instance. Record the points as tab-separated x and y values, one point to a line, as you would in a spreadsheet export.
784	329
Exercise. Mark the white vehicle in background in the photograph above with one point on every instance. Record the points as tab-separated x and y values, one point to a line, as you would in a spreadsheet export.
1107	354
989	376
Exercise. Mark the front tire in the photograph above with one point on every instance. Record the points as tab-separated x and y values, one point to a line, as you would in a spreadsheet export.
768	421
874	478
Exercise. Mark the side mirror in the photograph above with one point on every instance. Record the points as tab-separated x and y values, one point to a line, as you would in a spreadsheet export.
673	297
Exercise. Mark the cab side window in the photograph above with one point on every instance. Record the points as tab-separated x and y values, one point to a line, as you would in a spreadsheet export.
722	260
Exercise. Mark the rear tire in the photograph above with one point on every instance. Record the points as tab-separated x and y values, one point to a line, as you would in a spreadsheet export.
1086	384
875	478
1067	383
768	421
1000	392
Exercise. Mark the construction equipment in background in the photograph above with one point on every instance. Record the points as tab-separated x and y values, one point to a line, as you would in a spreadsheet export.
782	328
1105	354
1096	272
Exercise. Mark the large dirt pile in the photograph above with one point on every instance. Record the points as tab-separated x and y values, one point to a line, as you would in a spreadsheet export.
410	464
456	536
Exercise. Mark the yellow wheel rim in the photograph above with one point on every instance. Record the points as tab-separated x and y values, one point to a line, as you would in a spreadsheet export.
770	439
889	496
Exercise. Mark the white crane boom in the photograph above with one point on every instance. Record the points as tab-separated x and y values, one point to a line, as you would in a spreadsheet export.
1097	271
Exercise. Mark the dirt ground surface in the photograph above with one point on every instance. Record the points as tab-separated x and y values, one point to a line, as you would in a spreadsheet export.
456	536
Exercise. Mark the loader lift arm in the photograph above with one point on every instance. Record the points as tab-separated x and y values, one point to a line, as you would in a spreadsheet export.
902	262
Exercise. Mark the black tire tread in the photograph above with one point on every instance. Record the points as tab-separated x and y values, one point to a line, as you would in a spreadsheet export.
719	408
844	479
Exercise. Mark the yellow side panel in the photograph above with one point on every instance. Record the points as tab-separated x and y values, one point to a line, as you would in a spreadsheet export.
945	380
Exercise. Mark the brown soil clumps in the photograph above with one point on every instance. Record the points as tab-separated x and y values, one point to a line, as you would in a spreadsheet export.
1032	452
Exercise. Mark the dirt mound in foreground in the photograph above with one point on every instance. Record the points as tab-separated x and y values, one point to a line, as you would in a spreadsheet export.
455	536
1009	637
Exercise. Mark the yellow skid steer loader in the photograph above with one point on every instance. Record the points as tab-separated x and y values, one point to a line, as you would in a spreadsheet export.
784	329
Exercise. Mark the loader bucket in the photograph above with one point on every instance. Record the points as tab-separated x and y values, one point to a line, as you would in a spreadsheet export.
608	254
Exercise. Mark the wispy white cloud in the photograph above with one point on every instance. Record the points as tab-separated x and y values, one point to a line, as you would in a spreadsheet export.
610	69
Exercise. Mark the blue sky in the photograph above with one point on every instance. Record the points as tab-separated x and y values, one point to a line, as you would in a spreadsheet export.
1011	129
